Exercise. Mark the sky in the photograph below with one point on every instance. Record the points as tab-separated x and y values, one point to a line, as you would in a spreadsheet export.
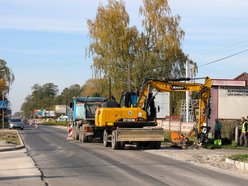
45	41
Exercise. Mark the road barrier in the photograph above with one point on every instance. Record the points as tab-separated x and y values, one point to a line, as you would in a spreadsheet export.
70	132
170	125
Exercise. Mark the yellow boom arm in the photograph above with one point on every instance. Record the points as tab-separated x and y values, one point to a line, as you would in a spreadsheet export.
179	85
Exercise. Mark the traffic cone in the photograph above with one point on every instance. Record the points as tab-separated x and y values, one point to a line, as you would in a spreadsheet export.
70	132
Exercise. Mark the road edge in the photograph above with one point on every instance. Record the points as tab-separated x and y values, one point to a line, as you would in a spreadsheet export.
240	165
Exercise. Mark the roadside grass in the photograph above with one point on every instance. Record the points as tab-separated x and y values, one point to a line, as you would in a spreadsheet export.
210	145
9	137
233	147
225	145
239	157
166	137
56	123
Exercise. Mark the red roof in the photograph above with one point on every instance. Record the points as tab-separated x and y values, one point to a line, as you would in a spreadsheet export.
243	76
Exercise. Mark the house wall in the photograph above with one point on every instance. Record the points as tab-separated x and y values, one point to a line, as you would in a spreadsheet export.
229	100
232	102
214	107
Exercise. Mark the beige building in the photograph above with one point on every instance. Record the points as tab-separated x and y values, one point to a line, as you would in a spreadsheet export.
229	99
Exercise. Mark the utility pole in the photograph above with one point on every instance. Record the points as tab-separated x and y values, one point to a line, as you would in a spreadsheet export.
66	110
109	84
3	101
128	78
187	94
3	111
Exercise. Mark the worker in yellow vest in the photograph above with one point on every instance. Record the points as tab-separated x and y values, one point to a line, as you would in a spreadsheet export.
244	132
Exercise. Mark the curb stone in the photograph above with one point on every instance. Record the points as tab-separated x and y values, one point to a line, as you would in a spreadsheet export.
240	165
20	138
17	147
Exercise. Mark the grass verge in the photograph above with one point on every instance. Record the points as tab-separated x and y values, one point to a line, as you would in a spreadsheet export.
56	123
9	137
239	157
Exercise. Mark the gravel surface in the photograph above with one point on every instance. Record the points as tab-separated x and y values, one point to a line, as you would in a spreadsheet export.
204	157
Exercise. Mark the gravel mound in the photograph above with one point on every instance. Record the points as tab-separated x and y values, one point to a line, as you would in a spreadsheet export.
203	157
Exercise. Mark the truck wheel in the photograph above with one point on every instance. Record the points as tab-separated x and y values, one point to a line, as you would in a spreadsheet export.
157	145
122	145
114	144
89	139
80	136
73	133
138	145
105	139
151	145
84	138
77	136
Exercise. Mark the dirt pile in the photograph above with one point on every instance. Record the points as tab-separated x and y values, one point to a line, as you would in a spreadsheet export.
212	160
203	157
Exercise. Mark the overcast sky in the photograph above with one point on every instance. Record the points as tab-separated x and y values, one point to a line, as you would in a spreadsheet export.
44	41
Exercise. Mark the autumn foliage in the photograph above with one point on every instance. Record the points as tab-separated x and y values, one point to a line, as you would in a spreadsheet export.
121	52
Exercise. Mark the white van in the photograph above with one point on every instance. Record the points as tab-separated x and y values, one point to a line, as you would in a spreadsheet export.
62	118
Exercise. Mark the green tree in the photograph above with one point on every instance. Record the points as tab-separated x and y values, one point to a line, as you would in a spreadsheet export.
42	97
68	93
6	74
161	41
28	107
95	88
112	43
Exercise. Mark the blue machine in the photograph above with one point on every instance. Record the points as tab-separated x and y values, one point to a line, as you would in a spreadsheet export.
84	107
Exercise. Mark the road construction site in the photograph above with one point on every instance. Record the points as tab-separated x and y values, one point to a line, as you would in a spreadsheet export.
41	162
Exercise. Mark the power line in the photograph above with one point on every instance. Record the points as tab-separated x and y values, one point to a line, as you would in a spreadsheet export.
237	43
246	50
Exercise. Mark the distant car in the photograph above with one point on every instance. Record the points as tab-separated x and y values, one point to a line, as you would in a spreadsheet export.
15	123
62	118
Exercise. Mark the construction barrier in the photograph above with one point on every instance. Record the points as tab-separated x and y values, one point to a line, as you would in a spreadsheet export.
70	132
168	125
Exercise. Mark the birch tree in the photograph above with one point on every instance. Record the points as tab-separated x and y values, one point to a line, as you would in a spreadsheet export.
121	52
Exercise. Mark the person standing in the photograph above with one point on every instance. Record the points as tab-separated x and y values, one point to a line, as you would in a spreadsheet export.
217	129
244	132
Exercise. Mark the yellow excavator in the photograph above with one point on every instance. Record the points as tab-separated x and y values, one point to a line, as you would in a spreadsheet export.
129	121
182	85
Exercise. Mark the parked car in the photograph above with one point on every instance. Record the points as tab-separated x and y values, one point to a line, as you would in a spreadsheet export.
62	118
15	123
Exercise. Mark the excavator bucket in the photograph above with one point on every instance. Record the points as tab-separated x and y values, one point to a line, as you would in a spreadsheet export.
178	138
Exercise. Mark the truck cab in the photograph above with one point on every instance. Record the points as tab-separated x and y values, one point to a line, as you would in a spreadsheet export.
83	115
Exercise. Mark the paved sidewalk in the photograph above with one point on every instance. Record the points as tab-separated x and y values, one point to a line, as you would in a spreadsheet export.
17	168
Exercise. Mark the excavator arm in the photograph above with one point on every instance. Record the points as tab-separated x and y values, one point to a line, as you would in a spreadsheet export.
178	85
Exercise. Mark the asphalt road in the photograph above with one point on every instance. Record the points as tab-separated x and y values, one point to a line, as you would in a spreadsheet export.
72	163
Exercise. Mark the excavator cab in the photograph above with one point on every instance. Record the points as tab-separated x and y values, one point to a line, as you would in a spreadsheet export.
129	99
